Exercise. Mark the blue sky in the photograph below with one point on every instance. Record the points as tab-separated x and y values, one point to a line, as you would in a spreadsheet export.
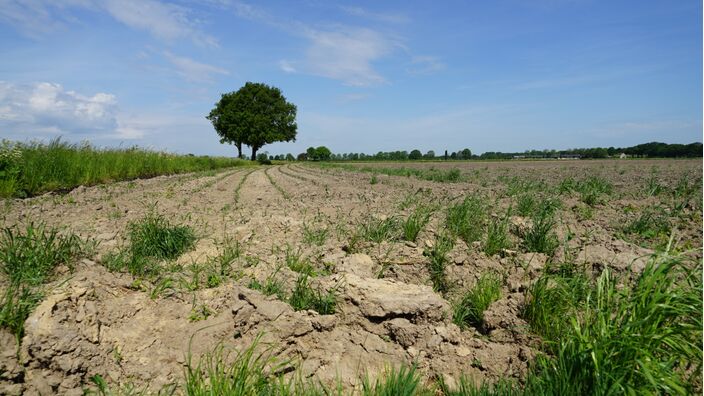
505	75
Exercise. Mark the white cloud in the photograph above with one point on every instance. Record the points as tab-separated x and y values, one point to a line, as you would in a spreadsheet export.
169	22
347	54
425	65
192	70
378	16
286	66
49	107
352	97
35	18
164	21
343	53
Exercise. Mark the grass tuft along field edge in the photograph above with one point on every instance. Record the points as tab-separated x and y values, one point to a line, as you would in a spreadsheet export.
29	169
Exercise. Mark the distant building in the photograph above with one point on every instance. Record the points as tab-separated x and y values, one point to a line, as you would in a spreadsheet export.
623	155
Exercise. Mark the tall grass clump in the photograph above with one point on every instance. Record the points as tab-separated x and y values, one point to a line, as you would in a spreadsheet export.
28	169
469	310
541	237
642	338
552	300
415	222
497	237
437	255
466	219
28	258
153	236
151	239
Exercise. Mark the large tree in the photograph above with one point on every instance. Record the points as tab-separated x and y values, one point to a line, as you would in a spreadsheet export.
255	115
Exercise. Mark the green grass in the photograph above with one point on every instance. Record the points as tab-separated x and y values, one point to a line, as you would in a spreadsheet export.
651	223
304	297
552	300
250	372
155	237
431	174
592	190
686	190
28	258
315	236
17	303
28	169
541	237
469	310
379	229
526	204
437	255
297	263
415	222
273	183
467	387
466	219
497	238
644	338
403	381
151	239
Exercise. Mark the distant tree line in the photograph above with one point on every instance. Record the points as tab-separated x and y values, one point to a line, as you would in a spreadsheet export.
650	150
646	150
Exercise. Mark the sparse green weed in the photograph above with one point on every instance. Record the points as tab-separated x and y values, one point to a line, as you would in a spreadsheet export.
415	222
379	229
304	296
315	236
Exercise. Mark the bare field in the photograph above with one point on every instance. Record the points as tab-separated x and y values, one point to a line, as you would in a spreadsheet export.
397	254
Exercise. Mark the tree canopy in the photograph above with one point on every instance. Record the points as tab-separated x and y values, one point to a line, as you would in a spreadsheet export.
320	153
255	115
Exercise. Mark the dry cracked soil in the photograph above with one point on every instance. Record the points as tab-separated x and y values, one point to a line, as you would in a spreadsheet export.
96	322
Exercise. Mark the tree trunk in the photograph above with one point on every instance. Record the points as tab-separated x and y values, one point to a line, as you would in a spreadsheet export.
239	151
254	153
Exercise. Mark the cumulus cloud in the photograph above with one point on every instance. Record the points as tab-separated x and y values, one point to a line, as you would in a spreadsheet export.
49	108
192	70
